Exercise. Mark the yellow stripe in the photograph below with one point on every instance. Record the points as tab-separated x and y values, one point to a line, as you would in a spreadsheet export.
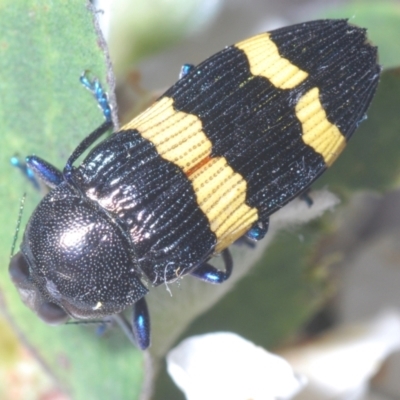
220	191
177	136
265	60
221	195
323	136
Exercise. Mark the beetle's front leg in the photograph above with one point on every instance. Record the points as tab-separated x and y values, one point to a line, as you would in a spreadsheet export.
26	171
44	171
37	170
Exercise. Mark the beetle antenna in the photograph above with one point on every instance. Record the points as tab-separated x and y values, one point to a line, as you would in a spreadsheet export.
21	209
93	322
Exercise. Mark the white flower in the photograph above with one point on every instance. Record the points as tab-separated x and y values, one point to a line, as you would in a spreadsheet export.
225	366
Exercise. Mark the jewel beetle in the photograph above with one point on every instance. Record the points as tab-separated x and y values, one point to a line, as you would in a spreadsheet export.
235	139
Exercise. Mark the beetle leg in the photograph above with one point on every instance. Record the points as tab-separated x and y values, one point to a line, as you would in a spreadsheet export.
44	171
138	332
141	324
253	235
94	86
84	145
37	170
258	231
305	196
185	69
210	274
26	171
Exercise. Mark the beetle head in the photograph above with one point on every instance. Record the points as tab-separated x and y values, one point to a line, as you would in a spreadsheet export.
75	261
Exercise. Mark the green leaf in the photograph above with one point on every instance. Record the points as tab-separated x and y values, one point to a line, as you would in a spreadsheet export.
44	48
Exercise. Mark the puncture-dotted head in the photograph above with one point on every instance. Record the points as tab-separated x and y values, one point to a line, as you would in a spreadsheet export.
75	261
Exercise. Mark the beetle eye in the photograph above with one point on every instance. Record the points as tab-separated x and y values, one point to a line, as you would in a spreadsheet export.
19	269
52	314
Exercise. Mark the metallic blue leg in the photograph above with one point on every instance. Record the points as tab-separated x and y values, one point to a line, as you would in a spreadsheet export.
305	196
36	169
99	94
27	172
138	332
185	69
141	324
44	171
102	328
258	231
210	274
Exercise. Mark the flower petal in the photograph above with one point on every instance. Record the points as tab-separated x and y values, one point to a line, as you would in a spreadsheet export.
225	366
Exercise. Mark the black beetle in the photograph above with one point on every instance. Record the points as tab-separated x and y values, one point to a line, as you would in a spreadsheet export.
232	141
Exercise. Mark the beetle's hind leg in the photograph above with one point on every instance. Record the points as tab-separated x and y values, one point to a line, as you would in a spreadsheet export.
210	274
